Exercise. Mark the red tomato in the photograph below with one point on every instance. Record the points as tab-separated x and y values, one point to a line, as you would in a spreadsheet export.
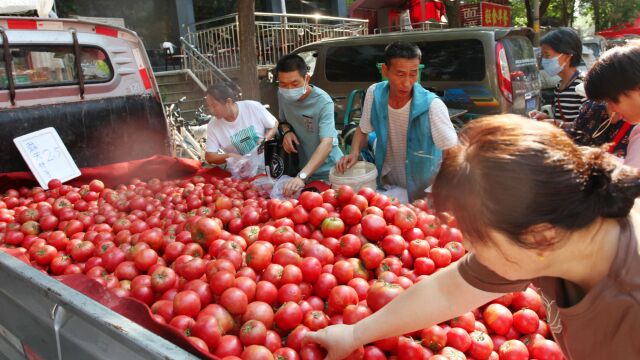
405	218
434	338
381	293
513	350
498	318
187	303
481	345
207	329
393	244
354	313
465	321
286	353
546	349
229	345
288	316
145	259
408	349
317	216
260	311
253	332
373	227
332	226
350	214
526	321
459	339
371	256
456	249
349	245
315	320
440	256
234	300
309	200
526	299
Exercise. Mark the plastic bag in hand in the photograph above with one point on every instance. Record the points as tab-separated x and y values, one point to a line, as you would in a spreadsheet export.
246	166
278	188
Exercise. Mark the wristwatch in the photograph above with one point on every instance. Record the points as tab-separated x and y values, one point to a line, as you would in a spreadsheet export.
303	176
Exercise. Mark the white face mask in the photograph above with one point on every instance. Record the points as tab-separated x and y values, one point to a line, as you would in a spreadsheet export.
293	94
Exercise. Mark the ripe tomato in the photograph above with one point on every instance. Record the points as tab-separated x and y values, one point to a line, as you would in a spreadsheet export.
459	339
288	316
393	244
405	218
513	350
332	226
207	329
434	338
253	332
408	349
481	345
187	303
229	345
498	318
526	321
373	227
205	231
371	256
441	257
526	299
381	293
350	214
234	300
349	245
546	349
309	200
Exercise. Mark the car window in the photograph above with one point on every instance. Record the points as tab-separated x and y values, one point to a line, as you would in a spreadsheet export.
354	63
521	57
453	60
36	66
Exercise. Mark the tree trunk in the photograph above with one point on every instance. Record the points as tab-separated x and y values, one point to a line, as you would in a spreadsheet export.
248	55
529	9
596	14
452	7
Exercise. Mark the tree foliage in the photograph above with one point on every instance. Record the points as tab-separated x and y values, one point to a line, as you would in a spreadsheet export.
608	13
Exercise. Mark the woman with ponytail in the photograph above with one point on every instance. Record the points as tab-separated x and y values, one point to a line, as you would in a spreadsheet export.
533	208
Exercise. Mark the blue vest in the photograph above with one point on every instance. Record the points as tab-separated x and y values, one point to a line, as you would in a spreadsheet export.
423	156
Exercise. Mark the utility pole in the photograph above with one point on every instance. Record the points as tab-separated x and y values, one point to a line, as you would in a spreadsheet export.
536	22
248	55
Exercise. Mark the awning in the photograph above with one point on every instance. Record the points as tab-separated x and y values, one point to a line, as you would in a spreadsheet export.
622	30
377	4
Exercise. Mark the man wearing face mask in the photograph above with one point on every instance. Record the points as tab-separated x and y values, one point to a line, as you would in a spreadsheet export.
561	54
306	116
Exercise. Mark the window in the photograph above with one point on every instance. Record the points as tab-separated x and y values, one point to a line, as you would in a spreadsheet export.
354	63
36	66
453	60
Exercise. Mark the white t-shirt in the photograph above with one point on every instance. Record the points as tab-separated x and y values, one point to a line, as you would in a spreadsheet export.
442	131
242	135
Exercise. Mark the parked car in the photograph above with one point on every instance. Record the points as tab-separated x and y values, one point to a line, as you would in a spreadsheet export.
483	70
111	113
597	44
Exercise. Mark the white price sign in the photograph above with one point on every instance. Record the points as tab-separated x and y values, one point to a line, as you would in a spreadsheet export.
47	157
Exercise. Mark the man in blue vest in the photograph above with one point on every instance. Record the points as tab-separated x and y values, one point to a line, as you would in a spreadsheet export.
412	125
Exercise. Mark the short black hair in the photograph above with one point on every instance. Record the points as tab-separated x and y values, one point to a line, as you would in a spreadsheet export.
292	62
220	93
614	73
564	41
402	50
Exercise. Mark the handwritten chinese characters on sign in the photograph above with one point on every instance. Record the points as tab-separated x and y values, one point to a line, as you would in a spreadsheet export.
47	157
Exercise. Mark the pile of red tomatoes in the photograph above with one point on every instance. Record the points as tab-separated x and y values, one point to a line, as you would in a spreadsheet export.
243	277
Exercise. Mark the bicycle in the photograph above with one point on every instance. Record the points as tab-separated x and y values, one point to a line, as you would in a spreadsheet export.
183	139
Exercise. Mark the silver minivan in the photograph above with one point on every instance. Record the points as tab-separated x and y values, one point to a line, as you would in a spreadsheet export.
482	70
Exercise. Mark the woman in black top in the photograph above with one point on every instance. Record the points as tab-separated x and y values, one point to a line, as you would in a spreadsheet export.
561	54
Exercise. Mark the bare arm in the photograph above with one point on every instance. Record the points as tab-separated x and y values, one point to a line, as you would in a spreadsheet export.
271	132
438	298
319	156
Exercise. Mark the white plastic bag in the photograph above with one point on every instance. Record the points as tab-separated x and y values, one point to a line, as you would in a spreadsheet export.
278	188
264	185
396	192
246	166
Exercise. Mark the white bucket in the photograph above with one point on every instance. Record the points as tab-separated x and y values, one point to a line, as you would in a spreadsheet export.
362	174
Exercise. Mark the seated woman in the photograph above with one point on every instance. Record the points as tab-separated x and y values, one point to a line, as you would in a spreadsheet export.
237	127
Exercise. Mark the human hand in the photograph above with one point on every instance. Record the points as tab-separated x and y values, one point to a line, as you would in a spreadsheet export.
537	115
288	142
233	155
338	340
346	162
293	186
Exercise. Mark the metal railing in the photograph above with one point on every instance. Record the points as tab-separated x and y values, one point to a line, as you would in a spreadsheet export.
419	26
202	67
276	35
